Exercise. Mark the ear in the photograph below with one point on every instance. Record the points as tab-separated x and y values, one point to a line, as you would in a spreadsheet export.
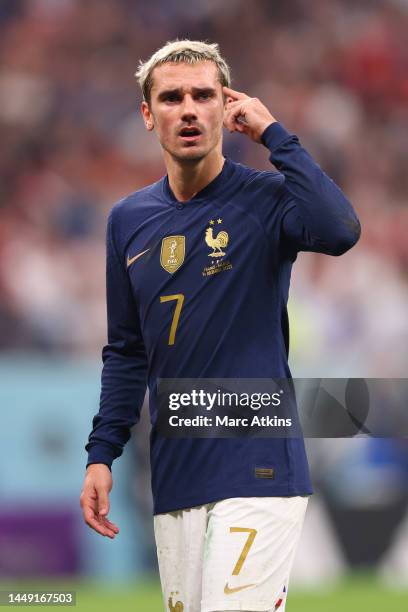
147	116
227	101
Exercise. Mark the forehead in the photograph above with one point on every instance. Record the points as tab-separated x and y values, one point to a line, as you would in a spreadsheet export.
185	76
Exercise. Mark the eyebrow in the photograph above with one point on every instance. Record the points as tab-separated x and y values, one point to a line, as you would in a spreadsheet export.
178	90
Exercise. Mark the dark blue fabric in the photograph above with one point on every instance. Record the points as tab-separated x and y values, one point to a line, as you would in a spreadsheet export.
233	323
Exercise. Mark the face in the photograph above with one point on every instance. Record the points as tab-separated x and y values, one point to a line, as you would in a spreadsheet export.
186	109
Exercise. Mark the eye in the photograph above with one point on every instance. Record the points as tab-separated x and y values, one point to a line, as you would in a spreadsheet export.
204	95
172	98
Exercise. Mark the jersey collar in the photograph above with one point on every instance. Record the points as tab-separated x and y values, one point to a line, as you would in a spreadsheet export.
213	189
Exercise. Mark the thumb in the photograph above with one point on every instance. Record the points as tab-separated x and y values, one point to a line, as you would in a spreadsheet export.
103	502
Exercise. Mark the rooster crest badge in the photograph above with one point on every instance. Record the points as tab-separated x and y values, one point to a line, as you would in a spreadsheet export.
216	243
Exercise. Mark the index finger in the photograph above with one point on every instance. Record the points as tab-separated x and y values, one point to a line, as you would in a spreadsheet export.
237	95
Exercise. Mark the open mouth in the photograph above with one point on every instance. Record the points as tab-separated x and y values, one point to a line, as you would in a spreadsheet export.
190	134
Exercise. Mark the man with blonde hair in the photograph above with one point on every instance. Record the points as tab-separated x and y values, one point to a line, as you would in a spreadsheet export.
198	270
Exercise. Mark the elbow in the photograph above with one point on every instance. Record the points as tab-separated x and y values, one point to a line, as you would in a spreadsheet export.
346	239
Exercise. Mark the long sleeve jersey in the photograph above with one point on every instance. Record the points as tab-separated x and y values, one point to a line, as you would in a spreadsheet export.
224	259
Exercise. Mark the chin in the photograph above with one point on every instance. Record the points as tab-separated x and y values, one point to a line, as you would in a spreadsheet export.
190	154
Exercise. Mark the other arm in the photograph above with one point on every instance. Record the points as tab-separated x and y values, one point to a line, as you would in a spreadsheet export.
123	385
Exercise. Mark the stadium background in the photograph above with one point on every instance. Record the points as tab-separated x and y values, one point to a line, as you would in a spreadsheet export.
72	143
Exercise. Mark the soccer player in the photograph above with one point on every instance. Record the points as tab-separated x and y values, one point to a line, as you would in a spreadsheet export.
198	270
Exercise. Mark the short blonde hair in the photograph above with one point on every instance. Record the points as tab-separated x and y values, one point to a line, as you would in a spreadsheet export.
188	51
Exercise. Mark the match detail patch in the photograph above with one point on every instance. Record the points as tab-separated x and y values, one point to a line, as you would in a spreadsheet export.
264	472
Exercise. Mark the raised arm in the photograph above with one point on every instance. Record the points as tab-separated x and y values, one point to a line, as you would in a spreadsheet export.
318	216
314	214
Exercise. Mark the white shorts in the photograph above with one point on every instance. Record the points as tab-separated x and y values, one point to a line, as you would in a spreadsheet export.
235	554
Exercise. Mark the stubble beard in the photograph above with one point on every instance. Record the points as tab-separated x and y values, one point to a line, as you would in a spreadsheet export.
185	155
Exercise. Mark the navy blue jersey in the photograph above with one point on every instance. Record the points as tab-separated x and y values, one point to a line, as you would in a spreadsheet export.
223	259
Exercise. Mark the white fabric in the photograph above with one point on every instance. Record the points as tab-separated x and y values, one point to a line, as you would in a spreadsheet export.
199	550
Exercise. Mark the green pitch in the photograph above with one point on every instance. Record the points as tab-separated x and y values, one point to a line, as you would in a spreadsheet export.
354	594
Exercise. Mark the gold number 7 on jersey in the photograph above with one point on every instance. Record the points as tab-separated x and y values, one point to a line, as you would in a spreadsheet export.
176	316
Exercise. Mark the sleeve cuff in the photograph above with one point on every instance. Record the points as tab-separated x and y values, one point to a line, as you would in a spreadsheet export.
274	134
92	463
101	454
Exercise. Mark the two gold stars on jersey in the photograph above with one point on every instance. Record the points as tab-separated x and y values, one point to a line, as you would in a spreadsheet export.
173	250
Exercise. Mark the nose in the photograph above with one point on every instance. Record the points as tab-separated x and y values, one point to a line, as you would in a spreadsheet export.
188	111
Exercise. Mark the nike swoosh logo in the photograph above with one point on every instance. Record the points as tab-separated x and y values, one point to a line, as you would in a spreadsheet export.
229	591
130	260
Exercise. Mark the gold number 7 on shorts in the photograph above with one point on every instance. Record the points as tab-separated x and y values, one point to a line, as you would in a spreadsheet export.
238	566
250	540
176	316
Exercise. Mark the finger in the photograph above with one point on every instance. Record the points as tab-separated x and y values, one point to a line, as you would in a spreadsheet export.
90	502
98	525
233	109
242	121
103	501
112	526
87	498
233	104
235	117
237	95
108	525
230	102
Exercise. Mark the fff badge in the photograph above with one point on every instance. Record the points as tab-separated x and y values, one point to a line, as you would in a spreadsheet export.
173	250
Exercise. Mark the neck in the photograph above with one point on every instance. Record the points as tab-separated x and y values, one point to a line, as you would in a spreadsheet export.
186	178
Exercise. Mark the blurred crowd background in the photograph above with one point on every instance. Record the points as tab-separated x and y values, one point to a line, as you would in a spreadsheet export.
335	72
